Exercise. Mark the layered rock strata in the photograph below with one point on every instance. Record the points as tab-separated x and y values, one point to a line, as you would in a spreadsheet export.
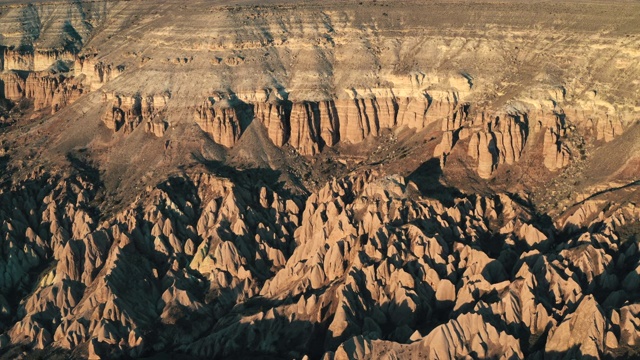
29	60
127	112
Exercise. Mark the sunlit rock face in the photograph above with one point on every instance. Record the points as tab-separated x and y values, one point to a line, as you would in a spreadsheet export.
354	180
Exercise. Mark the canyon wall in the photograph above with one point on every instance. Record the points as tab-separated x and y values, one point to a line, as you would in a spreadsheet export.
309	126
349	86
29	60
126	113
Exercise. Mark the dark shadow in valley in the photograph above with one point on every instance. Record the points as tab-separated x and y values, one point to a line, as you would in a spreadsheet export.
270	336
428	179
250	177
86	170
4	161
574	353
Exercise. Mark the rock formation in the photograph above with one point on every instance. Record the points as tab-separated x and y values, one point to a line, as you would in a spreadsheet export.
14	86
41	89
556	154
29	60
222	119
127	112
336	181
390	274
96	71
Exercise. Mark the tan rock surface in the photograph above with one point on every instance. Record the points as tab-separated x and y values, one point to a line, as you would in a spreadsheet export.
323	181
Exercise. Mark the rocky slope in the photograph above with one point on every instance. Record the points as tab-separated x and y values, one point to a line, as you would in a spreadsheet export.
348	180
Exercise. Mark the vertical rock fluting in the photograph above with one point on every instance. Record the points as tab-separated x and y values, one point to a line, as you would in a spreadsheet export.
45	89
411	111
451	127
13	85
30	74
329	122
305	128
445	146
95	70
15	59
308	126
33	60
482	148
274	117
41	88
556	154
511	136
502	142
219	119
127	112
313	126
607	128
354	127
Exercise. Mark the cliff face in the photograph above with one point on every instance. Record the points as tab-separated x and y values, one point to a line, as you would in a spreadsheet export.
347	88
494	139
309	126
349	180
95	71
127	112
13	86
28	60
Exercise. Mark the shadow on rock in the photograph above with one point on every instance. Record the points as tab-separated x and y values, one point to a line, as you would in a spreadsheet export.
428	179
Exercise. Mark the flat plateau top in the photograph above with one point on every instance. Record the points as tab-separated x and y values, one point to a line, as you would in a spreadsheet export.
332	3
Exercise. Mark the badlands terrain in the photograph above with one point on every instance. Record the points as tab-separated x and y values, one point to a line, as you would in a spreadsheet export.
320	180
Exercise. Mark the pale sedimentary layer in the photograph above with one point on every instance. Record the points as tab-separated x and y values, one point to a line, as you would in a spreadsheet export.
323	80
